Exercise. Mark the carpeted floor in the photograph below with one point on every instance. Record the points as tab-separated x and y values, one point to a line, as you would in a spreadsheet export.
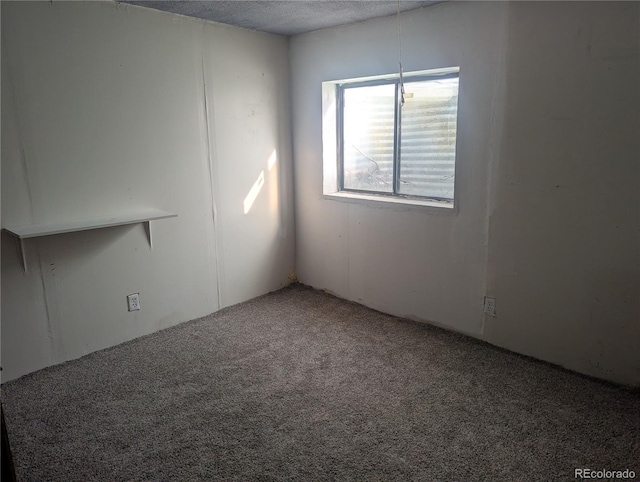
300	385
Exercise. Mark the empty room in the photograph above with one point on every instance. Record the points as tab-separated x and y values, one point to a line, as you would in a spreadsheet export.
320	240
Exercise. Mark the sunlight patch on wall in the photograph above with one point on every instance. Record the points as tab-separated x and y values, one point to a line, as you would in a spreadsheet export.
272	159
253	193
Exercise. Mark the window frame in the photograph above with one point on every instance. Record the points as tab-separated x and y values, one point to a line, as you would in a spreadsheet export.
395	80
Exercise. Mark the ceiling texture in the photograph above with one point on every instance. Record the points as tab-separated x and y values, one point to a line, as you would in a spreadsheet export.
288	17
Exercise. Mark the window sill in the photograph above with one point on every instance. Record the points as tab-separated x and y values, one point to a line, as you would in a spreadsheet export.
345	196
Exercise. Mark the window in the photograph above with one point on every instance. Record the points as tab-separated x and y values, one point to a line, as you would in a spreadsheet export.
386	147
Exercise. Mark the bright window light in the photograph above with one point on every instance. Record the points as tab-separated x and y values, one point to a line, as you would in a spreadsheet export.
390	142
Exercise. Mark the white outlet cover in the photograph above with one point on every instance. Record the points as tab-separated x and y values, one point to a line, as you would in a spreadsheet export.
133	301
490	306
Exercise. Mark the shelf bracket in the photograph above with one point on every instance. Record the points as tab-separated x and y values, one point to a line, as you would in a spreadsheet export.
22	253
147	228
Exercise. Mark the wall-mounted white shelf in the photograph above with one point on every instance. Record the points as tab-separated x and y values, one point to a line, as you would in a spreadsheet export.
71	226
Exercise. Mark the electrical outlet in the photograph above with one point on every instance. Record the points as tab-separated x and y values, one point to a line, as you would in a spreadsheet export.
134	302
490	306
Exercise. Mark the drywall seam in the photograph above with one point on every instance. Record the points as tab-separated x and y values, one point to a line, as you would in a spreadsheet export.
348	244
291	95
212	178
53	311
285	105
23	157
46	305
24	167
496	120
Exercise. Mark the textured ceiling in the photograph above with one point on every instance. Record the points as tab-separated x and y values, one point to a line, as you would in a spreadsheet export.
288	17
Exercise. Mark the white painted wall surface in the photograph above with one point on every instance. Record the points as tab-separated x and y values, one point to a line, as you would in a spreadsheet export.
415	262
565	234
107	108
548	169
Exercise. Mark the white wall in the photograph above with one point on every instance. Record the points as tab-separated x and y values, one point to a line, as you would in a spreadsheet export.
416	262
103	111
108	108
547	180
565	229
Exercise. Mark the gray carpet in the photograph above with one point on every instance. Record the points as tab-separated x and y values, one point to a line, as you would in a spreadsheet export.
300	385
